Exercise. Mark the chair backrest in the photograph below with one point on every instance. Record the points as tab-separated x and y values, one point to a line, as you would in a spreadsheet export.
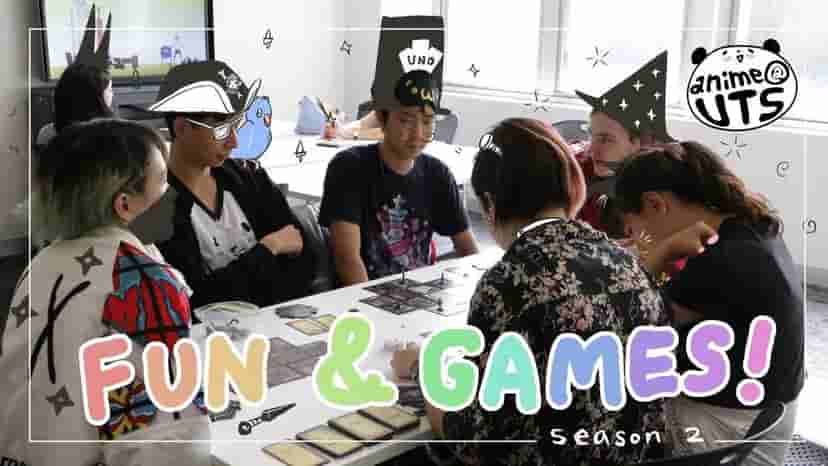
735	453
573	130
317	239
445	126
364	109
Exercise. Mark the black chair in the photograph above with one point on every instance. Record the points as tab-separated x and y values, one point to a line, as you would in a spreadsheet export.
445	126
316	238
364	109
732	454
573	130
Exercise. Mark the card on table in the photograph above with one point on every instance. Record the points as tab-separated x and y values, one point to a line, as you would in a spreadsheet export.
392	417
293	454
325	320
308	327
330	441
361	427
295	311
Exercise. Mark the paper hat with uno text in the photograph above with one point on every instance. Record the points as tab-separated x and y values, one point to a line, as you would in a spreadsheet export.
638	102
204	87
87	53
409	68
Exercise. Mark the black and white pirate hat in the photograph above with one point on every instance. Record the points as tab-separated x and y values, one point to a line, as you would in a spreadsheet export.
204	87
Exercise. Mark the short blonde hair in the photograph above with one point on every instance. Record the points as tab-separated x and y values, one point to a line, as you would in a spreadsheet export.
83	169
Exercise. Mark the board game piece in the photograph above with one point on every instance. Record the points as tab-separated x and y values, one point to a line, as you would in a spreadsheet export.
308	327
358	426
392	417
330	441
294	454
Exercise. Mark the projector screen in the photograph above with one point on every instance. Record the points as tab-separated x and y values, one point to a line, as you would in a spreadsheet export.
161	34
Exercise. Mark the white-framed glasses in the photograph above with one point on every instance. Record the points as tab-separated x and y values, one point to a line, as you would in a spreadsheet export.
222	130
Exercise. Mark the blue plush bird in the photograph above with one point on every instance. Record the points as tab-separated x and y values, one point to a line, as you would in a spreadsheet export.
254	135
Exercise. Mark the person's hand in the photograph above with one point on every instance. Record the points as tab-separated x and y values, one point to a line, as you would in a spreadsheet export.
288	240
404	359
688	242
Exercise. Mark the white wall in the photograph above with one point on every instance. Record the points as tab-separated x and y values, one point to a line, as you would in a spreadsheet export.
15	19
304	58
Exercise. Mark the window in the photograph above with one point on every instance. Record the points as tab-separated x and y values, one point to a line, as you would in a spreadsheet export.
606	41
801	32
499	39
406	7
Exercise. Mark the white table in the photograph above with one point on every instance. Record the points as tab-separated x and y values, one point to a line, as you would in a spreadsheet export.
307	177
230	448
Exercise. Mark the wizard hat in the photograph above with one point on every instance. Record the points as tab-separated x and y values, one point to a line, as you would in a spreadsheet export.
638	102
409	68
87	54
204	87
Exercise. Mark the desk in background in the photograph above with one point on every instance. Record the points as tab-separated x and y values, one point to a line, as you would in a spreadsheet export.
232	449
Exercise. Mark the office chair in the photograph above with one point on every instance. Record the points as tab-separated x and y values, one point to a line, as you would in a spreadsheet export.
731	454
445	126
573	130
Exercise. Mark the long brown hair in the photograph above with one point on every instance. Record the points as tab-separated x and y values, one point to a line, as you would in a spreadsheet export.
693	173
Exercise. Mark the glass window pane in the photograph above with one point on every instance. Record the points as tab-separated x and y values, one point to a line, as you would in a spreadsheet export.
801	31
626	36
500	40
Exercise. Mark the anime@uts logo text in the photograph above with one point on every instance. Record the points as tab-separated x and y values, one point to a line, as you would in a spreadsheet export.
741	87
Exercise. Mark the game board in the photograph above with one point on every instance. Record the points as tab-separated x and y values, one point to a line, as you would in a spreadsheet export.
287	362
447	295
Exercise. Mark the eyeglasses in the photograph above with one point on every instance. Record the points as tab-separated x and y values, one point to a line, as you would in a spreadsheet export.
222	130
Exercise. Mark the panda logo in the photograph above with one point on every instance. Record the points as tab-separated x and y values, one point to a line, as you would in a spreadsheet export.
741	87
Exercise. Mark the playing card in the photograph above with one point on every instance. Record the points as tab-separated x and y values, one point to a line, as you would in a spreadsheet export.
361	427
330	441
326	320
392	416
294	454
308	327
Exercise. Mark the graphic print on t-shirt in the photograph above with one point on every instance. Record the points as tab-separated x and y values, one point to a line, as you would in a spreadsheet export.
404	239
222	240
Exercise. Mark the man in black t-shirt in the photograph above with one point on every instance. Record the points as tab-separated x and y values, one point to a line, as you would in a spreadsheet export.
383	202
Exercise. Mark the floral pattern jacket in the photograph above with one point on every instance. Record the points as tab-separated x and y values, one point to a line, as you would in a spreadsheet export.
561	277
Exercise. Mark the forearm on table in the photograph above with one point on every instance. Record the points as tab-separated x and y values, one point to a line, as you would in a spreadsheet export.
351	270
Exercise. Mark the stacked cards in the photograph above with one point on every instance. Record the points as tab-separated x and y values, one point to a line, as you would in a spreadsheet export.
313	326
344	435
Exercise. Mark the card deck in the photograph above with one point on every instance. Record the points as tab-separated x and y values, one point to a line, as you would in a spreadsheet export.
330	441
358	426
294	455
308	327
392	417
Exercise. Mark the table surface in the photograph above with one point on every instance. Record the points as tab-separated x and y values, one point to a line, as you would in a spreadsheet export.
307	177
230	448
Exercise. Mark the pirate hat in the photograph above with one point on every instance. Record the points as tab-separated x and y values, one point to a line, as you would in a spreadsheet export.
204	87
87	54
638	102
409	68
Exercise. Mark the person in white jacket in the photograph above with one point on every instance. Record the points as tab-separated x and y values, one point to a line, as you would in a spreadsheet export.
97	280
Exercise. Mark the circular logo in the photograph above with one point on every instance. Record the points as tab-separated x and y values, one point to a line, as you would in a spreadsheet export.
777	72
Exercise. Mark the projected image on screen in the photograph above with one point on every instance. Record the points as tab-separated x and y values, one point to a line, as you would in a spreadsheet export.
163	33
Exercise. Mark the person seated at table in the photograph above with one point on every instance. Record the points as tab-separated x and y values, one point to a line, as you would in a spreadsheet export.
97	280
82	93
622	121
748	273
235	237
558	275
382	202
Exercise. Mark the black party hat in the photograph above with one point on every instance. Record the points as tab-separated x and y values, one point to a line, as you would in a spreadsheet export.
87	54
409	68
638	102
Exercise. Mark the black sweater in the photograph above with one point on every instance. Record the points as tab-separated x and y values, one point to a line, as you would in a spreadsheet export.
256	276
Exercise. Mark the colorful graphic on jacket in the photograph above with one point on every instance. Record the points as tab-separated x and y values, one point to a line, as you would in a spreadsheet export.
404	241
148	303
131	410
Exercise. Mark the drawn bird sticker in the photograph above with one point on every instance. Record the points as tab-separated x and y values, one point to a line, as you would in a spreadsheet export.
254	136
